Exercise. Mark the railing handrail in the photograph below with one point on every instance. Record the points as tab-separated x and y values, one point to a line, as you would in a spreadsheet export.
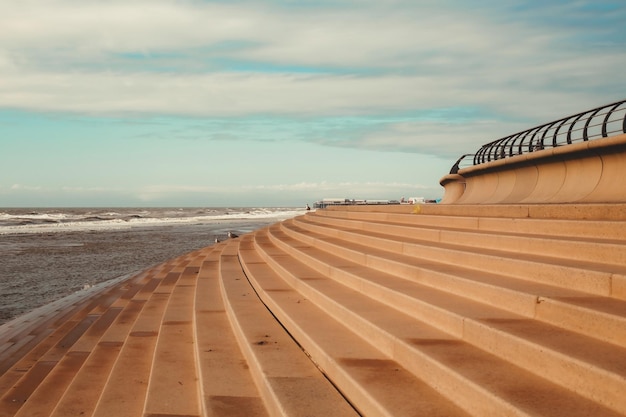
600	122
455	168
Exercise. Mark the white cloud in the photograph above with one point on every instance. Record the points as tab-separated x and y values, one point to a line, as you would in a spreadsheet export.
22	187
405	35
60	189
432	138
226	59
72	189
215	94
228	94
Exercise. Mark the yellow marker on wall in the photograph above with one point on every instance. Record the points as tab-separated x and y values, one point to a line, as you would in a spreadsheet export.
417	209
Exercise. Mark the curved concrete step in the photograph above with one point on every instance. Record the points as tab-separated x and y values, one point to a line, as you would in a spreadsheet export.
172	387
23	333
123	391
563	307
369	379
584	362
577	221
596	274
591	277
64	352
121	355
419	347
553	211
532	242
226	385
289	382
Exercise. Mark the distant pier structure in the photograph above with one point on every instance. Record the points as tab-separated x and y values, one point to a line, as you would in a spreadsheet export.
352	202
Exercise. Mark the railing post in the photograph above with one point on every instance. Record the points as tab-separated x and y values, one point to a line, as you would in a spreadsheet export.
589	119
606	120
556	133
571	127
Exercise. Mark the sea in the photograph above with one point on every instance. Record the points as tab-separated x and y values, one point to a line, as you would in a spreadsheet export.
49	253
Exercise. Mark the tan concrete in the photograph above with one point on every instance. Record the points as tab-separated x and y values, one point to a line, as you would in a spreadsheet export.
125	391
288	381
516	300
443	214
454	185
395	322
526	178
226	386
172	388
396	236
519	296
610	186
377	385
534	268
583	172
434	309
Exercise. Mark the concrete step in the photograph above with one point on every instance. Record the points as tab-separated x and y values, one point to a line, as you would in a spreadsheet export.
289	382
511	337
563	307
23	332
442	360
42	401
84	393
375	384
592	277
226	385
172	387
27	331
42	374
595	250
125	391
567	211
555	220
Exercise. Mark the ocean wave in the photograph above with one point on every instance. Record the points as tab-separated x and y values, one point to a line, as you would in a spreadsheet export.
19	222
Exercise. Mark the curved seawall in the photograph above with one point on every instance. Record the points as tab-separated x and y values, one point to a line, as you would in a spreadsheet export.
587	172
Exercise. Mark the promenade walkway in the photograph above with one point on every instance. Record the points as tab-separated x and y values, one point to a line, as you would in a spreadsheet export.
426	310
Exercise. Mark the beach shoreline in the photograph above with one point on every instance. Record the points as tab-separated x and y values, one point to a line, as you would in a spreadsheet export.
41	267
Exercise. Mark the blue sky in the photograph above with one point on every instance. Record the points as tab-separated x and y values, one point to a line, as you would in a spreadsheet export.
281	103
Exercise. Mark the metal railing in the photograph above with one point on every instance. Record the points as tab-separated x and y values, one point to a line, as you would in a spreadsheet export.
600	122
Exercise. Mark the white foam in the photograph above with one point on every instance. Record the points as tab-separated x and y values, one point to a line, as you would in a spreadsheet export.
63	222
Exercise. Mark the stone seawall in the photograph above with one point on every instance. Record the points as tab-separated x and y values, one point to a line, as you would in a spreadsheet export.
587	172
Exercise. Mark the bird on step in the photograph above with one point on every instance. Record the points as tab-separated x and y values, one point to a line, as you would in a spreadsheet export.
232	235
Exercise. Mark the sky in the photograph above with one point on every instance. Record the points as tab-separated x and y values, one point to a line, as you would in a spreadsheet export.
204	103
